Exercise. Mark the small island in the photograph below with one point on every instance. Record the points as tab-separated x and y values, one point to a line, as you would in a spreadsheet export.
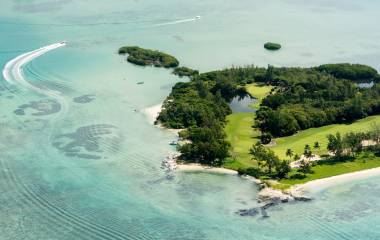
307	124
147	57
272	46
310	123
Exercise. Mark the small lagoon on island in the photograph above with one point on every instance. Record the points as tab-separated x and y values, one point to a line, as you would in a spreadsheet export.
243	104
80	160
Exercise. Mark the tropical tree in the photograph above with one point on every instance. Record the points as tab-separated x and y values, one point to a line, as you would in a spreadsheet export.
317	146
289	153
283	169
305	167
307	152
353	142
265	157
266	138
375	133
335	144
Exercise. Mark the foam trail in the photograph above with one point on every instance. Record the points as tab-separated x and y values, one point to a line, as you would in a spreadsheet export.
178	22
13	73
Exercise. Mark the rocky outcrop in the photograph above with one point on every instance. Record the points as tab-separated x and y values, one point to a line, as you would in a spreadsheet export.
274	196
269	197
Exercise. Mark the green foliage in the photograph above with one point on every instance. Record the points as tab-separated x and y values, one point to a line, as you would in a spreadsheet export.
146	57
283	169
252	171
350	144
316	145
208	145
185	72
272	46
335	144
266	138
308	98
305	167
191	104
353	142
289	153
264	156
355	72
307	152
268	160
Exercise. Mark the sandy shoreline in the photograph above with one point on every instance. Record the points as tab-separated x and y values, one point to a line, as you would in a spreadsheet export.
200	168
320	184
312	186
152	112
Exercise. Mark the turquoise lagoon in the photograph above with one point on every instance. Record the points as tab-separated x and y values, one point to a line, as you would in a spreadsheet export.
94	171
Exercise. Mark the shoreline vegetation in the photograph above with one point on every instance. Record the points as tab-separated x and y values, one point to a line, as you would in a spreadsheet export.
147	57
291	101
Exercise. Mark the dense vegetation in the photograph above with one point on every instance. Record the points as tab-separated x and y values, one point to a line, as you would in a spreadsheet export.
201	106
146	57
302	98
355	72
311	97
185	72
272	46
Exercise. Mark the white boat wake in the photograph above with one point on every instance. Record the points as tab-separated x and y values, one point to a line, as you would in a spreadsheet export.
178	21
13	73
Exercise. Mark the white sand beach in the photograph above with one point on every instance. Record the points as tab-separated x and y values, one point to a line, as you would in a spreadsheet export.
320	184
152	112
201	168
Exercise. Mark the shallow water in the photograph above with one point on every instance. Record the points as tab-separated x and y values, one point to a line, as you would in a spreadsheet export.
93	171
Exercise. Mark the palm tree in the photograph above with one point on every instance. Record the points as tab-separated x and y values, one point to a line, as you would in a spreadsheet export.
289	153
307	152
317	146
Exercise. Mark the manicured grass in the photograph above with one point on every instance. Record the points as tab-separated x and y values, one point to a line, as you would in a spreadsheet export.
258	91
240	133
310	136
363	162
242	136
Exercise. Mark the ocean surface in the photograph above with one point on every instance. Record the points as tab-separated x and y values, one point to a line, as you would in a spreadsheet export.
79	159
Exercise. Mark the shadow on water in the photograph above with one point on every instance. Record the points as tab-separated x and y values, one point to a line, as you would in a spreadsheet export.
89	142
40	108
84	98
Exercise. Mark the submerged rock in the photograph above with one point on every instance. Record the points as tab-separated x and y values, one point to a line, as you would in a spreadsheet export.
248	212
302	198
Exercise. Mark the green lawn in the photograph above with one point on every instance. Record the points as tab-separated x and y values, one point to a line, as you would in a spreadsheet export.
240	133
363	162
258	91
242	136
297	142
